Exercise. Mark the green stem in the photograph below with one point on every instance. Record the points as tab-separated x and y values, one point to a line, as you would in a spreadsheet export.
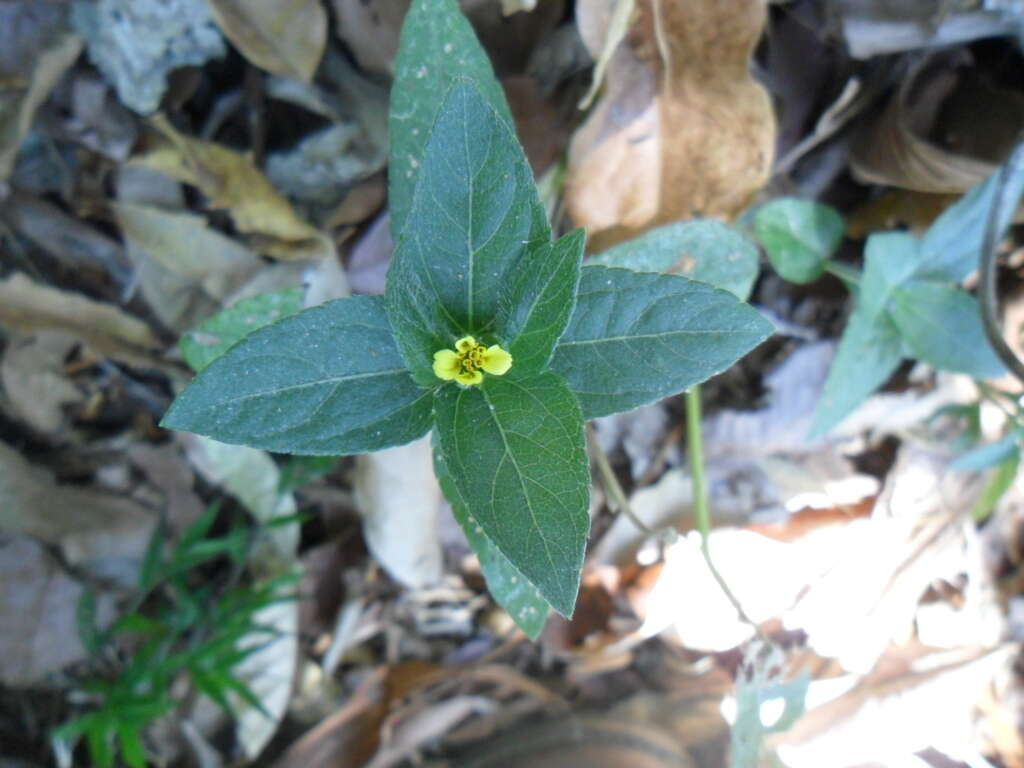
701	508
611	484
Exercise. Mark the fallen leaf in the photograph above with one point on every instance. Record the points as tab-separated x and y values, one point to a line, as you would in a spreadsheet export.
166	468
29	306
186	268
400	501
18	104
944	130
232	182
682	129
370	30
33	378
106	533
286	38
40	599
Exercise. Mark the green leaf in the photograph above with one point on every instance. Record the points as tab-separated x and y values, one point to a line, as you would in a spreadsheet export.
515	453
799	237
540	299
437	46
941	324
999	483
704	250
507	584
217	334
636	337
868	354
325	381
131	746
85	616
952	246
989	454
474	216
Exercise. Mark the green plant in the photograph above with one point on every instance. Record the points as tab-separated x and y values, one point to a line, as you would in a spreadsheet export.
909	302
179	625
475	283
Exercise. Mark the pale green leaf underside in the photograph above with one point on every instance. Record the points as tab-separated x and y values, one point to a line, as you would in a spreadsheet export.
474	215
636	337
515	452
437	46
219	333
326	381
704	250
507	585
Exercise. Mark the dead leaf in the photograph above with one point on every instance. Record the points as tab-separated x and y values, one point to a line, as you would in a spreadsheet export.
167	470
186	268
370	30
33	378
40	599
944	130
400	501
101	531
682	130
29	306
232	182
286	38
18	104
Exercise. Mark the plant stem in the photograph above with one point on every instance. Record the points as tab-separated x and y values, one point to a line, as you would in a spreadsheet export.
611	484
701	509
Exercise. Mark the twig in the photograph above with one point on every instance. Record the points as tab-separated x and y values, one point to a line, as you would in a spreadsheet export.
613	487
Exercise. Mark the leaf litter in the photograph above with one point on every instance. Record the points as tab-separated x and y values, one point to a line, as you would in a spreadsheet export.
161	162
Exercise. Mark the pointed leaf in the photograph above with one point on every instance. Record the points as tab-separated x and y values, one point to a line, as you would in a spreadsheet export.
507	584
536	308
437	46
326	381
515	453
799	237
941	324
636	337
474	215
705	250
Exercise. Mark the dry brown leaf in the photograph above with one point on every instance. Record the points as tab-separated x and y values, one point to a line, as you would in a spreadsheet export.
682	129
370	30
976	122
18	105
39	599
232	182
94	529
286	38
34	382
29	306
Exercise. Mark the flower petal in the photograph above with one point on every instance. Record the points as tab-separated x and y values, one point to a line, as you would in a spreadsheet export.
496	360
469	379
465	344
446	364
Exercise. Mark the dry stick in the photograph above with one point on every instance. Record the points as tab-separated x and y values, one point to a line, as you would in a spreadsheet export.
701	510
614	489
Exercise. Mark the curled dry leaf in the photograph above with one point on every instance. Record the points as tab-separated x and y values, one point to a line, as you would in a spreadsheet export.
29	306
232	182
976	122
32	379
682	129
286	38
18	104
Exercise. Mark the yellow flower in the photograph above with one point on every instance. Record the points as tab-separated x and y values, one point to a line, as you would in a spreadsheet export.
466	364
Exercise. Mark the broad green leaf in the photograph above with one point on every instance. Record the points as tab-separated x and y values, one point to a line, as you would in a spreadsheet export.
515	452
799	237
636	337
328	380
989	454
217	334
474	215
540	299
509	587
759	682
868	354
704	250
941	325
952	246
437	46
